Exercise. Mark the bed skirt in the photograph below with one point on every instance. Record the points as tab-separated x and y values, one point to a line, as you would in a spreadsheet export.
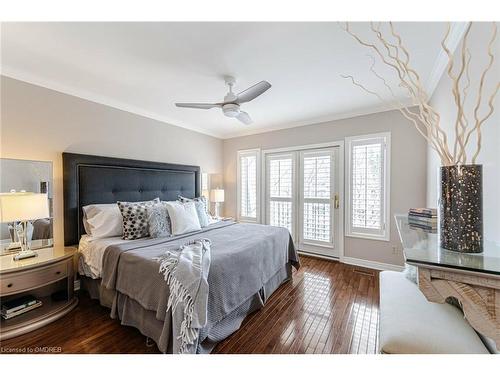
151	325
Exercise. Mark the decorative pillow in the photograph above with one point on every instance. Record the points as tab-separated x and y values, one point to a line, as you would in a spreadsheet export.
159	223
201	208
135	223
91	210
183	216
107	222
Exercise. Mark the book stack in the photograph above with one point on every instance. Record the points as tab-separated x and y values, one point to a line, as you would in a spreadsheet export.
423	218
19	306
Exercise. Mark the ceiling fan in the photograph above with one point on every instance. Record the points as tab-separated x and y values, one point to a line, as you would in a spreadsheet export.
231	104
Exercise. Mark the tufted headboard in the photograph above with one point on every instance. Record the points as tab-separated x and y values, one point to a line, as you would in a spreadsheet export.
90	179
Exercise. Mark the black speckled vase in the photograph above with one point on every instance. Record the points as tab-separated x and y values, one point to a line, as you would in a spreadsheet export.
461	208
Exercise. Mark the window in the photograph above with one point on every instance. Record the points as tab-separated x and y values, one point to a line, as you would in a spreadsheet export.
368	186
248	185
316	170
280	174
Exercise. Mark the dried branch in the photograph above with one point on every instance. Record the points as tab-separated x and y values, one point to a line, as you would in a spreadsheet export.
404	111
459	122
431	115
479	122
412	84
462	157
427	119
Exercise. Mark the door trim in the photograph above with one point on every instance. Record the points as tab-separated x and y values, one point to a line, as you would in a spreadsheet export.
341	177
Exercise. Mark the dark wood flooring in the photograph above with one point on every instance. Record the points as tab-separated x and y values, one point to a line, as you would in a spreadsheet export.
328	307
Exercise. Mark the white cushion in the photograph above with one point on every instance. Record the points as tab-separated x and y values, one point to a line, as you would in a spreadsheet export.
409	324
103	220
183	217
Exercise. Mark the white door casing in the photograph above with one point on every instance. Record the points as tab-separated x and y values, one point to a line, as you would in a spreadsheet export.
303	204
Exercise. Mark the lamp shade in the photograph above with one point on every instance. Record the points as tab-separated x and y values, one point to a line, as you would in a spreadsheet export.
217	195
23	206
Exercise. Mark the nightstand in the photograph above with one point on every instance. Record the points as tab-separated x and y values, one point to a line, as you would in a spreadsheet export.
49	272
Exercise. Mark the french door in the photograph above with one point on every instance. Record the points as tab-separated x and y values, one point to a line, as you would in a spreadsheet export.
302	194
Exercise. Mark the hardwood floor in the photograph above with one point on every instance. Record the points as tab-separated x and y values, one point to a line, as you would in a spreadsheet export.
328	307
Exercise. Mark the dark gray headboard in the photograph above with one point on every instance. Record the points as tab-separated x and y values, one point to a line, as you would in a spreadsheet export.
90	179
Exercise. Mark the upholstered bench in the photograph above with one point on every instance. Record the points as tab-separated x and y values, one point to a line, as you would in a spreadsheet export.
409	324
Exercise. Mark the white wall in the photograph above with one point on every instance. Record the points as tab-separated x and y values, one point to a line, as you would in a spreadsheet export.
408	169
489	157
40	124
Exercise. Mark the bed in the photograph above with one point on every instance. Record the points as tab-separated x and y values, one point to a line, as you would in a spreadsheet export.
249	261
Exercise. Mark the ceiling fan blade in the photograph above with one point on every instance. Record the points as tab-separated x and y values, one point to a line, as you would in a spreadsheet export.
252	92
197	105
244	118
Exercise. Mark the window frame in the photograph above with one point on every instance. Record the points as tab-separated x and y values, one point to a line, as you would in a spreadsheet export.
333	154
250	152
350	231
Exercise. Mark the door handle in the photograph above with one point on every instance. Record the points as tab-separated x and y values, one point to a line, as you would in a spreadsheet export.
336	201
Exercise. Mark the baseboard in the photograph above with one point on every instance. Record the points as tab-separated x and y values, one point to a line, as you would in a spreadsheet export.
372	264
314	255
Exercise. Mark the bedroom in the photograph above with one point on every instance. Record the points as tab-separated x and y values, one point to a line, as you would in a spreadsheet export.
248	187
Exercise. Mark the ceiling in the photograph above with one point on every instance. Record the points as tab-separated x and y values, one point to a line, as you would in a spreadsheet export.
145	67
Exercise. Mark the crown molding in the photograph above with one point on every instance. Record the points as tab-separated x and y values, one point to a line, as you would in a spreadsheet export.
321	120
457	32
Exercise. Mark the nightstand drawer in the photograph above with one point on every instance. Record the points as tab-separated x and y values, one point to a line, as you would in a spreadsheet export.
20	281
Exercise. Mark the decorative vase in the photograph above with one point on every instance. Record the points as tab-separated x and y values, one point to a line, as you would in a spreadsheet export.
461	208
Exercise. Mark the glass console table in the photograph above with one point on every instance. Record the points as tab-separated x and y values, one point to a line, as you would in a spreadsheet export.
473	279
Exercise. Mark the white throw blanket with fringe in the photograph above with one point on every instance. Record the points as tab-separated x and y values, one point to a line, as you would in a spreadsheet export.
186	273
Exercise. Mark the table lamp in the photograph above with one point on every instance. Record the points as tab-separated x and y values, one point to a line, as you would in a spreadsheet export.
217	196
22	208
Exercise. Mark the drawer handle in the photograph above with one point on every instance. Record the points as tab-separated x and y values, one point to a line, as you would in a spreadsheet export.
9	285
58	272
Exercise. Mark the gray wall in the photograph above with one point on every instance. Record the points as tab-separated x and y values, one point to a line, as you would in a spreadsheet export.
40	124
489	157
408	169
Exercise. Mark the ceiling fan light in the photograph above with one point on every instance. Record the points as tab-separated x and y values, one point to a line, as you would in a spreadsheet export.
231	110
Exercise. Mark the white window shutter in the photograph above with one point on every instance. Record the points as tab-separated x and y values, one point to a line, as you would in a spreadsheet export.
248	185
368	180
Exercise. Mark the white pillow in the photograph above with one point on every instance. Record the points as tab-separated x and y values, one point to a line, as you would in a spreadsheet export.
183	217
103	220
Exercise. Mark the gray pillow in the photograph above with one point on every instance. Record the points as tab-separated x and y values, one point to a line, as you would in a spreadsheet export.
135	224
201	206
159	220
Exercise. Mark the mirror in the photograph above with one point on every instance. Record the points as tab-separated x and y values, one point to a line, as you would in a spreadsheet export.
30	176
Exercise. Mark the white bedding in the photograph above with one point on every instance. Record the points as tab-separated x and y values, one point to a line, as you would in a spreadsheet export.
91	251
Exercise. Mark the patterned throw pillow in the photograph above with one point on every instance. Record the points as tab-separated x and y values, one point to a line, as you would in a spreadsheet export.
201	206
159	220
135	223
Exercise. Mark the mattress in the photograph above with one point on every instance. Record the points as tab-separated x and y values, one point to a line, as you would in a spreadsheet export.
91	251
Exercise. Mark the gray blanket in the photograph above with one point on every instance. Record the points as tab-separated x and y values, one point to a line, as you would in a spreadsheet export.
243	258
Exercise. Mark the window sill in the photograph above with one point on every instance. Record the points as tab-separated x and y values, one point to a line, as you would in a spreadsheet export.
246	220
368	237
